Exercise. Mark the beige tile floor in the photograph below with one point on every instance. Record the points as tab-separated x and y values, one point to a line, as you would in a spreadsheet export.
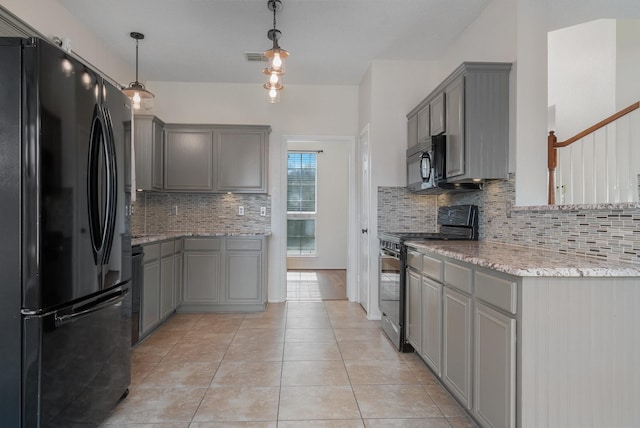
299	364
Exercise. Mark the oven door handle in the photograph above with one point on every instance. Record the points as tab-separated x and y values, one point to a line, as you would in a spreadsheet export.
387	253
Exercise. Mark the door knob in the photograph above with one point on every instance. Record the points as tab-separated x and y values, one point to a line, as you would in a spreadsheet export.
365	230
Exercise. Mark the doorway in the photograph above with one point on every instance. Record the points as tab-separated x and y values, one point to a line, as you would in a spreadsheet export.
318	213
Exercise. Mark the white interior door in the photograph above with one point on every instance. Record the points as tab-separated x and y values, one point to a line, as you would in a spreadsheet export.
365	187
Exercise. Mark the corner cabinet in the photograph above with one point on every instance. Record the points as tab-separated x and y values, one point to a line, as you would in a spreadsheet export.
148	137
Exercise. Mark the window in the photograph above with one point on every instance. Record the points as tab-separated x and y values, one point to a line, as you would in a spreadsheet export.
301	203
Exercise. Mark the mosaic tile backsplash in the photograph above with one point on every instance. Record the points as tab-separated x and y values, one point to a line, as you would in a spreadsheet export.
201	213
613	234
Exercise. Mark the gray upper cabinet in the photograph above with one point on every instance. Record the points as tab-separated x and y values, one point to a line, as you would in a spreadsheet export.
148	146
412	131
241	159
188	162
455	154
471	108
437	115
201	158
477	122
423	124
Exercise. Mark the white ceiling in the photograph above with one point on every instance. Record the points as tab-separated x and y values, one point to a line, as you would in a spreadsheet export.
330	41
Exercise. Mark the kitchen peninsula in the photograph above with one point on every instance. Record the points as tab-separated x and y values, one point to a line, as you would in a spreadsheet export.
529	337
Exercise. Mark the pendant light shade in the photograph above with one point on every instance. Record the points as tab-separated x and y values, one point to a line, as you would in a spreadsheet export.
136	90
276	56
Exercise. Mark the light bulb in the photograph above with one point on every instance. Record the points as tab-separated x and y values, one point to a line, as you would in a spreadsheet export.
276	64
136	98
273	93
136	106
274	78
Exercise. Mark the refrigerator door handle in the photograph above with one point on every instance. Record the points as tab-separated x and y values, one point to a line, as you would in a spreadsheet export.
112	185
102	185
87	309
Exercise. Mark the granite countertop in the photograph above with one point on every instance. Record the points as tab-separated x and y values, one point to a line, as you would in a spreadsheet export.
527	261
148	238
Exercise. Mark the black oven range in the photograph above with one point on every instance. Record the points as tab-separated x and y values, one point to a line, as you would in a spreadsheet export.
458	222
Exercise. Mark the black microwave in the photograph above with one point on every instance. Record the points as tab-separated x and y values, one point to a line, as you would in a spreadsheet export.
425	165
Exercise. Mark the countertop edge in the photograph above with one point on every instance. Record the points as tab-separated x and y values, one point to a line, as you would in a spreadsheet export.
157	237
531	262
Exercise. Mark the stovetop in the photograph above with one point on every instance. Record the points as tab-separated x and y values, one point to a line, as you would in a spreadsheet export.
401	237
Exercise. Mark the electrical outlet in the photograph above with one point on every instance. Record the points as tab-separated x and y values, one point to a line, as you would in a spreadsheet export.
263	211
240	210
174	210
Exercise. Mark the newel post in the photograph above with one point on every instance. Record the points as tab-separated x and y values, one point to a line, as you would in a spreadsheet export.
552	163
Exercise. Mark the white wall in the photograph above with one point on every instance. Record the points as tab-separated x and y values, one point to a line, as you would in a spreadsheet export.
303	110
582	75
332	203
51	19
627	62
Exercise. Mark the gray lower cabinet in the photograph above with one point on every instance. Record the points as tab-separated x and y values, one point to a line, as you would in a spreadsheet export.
494	397
414	311
150	292
167	279
224	274
202	273
188	158
456	344
160	263
178	276
432	324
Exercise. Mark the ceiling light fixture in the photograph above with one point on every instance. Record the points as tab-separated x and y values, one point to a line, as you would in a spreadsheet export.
276	55
136	90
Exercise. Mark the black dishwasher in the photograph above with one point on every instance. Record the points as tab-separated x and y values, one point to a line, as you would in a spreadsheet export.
137	277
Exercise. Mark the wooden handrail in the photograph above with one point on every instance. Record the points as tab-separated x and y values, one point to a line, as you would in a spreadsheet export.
553	145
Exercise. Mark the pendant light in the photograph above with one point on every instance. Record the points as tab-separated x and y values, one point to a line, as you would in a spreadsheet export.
276	55
136	90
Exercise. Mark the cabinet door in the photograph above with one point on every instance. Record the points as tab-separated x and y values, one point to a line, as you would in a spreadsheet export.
148	144
454	118
202	276
423	124
241	160
494	368
456	346
436	113
157	182
167	285
150	297
178	277
412	131
188	159
413	317
432	323
244	277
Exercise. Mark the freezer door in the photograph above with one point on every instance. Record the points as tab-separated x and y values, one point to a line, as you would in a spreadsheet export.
77	360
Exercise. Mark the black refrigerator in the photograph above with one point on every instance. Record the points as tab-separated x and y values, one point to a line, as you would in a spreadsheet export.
65	245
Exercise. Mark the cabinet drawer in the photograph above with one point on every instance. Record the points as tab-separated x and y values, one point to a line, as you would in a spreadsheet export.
432	268
458	277
414	260
201	244
499	292
167	249
244	244
151	253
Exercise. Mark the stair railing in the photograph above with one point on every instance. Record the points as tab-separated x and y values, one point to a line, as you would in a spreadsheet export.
553	145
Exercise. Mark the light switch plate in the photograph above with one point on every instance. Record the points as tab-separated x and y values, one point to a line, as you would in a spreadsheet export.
263	211
240	210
